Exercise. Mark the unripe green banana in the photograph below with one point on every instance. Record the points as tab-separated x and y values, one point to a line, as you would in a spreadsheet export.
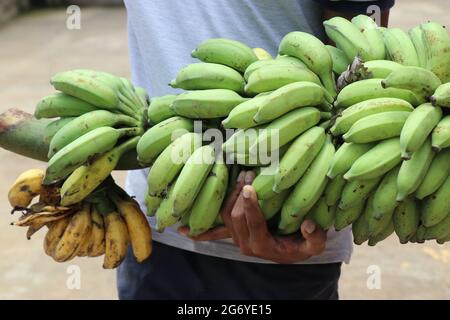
377	161
228	52
152	203
164	216
270	207
313	53
242	115
86	88
360	228
240	142
79	151
377	127
441	96
363	90
263	185
272	77
61	105
370	30
436	175
309	189
384	198
206	104
416	35
209	200
143	95
201	76
418	127
406	219
322	214
443	239
340	60
380	69
334	190
170	162
288	98
376	225
357	191
158	137
412	172
436	206
345	156
53	127
345	217
159	109
366	108
298	157
85	123
421	81
285	61
382	235
420	233
284	129
441	134
399	47
440	230
191	179
291	60
437	43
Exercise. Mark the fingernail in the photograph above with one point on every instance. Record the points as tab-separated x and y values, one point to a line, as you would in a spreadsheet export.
241	176
247	192
249	177
310	227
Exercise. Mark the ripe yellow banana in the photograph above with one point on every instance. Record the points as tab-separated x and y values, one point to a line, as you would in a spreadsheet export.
55	232
27	186
116	240
97	243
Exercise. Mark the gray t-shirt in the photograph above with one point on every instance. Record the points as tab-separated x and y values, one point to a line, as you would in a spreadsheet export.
162	33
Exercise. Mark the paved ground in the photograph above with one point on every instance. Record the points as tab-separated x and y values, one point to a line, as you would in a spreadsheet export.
37	45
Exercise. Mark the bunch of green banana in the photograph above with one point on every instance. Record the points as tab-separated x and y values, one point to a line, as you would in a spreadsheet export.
399	47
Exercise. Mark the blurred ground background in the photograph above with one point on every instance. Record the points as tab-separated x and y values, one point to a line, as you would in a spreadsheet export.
36	44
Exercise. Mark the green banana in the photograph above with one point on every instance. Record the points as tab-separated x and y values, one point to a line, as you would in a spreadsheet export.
376	225
440	230
441	134
406	219
85	123
418	40
284	129
421	81
270	207
164	216
380	69
158	137
399	47
311	51
436	206
263	185
368	89
170	162
345	217
206	104
356	191
412	172
242	115
377	127
366	108
417	128
382	235
201	76
83	180
308	190
285	61
61	105
53	127
334	190
298	157
437	44
79	151
288	98
420	233
443	239
360	228
159	109
370	30
340	60
191	179
435	176
384	198
441	96
322	214
348	38
272	77
143	95
377	161
228	52
152	203
209	200
345	156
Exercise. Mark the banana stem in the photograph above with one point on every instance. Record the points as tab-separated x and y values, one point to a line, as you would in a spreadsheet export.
128	121
128	145
127	111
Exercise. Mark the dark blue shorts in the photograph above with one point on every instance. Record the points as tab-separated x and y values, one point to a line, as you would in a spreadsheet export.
173	273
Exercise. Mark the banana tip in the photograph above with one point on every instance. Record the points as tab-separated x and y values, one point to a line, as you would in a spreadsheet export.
436	148
433	100
384	84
